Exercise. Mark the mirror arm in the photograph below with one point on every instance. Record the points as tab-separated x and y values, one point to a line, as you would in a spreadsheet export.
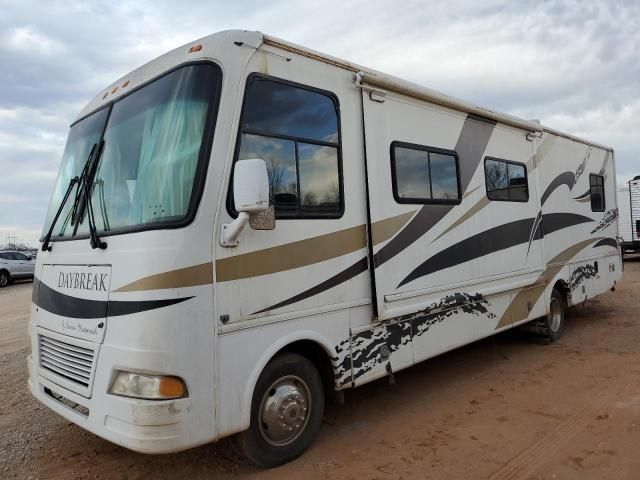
230	232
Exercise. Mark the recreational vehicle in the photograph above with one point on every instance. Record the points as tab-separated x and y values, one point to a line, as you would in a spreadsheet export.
244	227
629	212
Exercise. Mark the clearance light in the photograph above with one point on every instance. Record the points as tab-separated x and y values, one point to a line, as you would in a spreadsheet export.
115	89
125	84
105	95
150	387
195	48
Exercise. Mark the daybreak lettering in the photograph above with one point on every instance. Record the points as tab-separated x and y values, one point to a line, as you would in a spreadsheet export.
83	281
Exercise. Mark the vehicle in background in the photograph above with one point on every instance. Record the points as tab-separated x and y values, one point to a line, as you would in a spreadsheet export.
629	216
14	266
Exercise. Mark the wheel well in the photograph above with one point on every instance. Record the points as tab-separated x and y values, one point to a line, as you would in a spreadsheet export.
562	287
5	270
317	355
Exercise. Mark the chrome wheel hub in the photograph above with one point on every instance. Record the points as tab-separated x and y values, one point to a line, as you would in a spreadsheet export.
555	315
284	410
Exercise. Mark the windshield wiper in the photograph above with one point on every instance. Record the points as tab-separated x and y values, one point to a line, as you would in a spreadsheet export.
75	180
47	237
85	192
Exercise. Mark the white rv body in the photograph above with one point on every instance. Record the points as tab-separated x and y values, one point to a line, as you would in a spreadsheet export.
373	288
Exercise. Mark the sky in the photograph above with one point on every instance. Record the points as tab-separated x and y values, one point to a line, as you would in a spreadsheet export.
573	65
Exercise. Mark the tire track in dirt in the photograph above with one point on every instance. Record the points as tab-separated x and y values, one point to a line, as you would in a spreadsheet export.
524	464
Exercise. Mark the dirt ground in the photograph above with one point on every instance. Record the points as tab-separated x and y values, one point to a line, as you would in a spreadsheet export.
502	408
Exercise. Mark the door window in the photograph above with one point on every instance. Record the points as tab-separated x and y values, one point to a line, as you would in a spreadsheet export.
295	130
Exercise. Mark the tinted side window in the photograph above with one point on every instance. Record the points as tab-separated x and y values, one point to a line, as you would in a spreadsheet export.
294	129
596	183
424	174
20	256
505	180
3	256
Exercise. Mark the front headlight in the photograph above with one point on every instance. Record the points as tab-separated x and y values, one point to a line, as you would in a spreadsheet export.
150	387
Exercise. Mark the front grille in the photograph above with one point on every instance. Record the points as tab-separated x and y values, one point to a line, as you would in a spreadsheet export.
69	361
81	409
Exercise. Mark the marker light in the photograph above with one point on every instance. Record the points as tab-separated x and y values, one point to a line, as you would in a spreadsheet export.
195	48
150	387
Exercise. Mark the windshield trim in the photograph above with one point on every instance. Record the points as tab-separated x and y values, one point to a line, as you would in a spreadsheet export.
201	168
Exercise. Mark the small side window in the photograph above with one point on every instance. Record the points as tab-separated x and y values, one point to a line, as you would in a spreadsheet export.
424	174
596	183
505	180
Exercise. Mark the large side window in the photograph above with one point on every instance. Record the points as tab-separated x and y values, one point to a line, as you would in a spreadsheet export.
506	180
596	184
424	174
295	130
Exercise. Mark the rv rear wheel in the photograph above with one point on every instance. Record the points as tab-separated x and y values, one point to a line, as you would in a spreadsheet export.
286	411
554	322
4	278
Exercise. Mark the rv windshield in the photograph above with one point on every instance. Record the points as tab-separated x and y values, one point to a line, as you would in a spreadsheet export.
155	141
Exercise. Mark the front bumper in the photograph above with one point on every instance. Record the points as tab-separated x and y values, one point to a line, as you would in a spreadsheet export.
146	426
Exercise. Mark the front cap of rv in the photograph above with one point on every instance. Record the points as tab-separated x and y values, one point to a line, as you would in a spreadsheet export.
122	339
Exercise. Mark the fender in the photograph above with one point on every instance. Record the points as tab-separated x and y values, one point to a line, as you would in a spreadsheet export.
267	355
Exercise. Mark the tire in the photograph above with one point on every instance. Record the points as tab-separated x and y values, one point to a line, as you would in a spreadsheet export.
286	412
5	279
553	324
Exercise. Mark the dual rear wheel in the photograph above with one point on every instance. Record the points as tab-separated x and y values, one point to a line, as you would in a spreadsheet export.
553	323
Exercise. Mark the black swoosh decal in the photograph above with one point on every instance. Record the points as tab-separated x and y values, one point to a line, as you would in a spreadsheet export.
491	241
470	147
354	270
584	195
73	307
566	178
536	231
552	222
611	242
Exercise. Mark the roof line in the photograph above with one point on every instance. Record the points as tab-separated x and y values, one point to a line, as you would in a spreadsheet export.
397	85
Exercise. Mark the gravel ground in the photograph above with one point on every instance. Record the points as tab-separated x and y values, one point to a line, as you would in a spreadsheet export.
501	408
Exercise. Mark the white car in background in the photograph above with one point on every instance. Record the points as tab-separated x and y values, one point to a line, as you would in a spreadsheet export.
15	265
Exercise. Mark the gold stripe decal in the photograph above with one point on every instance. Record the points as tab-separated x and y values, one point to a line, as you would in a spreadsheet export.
291	255
184	277
480	204
306	252
385	229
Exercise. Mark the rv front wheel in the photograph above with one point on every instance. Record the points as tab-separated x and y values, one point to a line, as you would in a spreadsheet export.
554	322
286	411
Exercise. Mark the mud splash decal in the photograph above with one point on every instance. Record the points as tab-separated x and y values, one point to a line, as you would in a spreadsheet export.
582	273
607	219
370	348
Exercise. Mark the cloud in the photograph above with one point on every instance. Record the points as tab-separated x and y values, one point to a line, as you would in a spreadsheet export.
573	65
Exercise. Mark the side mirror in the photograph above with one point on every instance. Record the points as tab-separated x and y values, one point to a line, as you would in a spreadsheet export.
251	198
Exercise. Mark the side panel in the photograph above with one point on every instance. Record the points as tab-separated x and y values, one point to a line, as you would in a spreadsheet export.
305	280
574	234
448	275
